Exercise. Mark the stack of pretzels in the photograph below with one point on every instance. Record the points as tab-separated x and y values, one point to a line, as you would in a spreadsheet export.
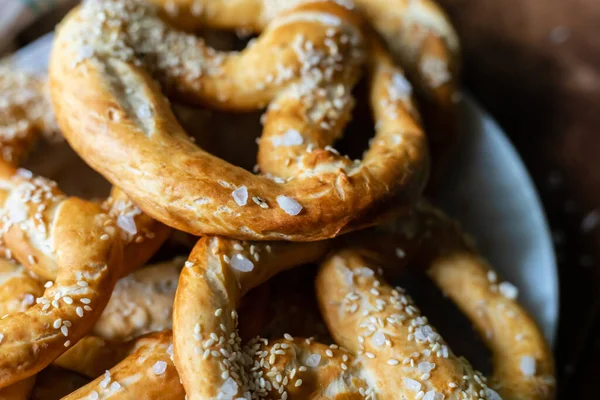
84	318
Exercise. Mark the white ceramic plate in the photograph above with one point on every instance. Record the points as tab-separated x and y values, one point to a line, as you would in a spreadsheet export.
491	194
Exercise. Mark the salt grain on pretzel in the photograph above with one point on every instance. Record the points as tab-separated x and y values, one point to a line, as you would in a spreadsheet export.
304	66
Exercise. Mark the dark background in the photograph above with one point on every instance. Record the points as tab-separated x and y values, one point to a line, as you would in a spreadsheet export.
535	66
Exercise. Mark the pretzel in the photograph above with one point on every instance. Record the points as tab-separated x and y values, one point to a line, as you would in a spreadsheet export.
428	239
307	83
141	302
117	361
417	32
391	348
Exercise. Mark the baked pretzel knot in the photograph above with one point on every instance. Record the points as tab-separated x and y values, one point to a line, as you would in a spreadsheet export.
304	66
389	349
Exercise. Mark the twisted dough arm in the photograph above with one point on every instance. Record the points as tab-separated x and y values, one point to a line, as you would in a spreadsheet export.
135	122
208	349
25	112
147	373
93	356
90	259
402	355
428	240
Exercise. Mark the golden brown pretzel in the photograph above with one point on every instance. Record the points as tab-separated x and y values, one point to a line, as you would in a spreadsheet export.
94	356
307	82
18	290
392	349
417	32
427	239
145	372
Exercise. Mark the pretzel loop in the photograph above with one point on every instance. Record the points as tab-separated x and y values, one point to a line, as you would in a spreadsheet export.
304	64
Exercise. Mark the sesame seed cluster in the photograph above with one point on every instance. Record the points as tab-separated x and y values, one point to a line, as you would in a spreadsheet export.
217	324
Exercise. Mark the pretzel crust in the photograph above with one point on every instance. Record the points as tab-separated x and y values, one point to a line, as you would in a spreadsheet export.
196	188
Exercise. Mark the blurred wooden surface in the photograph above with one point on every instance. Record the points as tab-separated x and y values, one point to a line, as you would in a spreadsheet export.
535	65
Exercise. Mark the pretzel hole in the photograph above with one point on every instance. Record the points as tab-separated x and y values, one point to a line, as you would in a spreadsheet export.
445	316
60	163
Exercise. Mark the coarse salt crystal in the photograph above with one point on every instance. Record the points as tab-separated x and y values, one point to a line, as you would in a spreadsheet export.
508	290
229	388
289	205
240	195
241	263
527	365
402	87
425	367
291	137
411	384
313	360
127	223
378	339
159	367
491	394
